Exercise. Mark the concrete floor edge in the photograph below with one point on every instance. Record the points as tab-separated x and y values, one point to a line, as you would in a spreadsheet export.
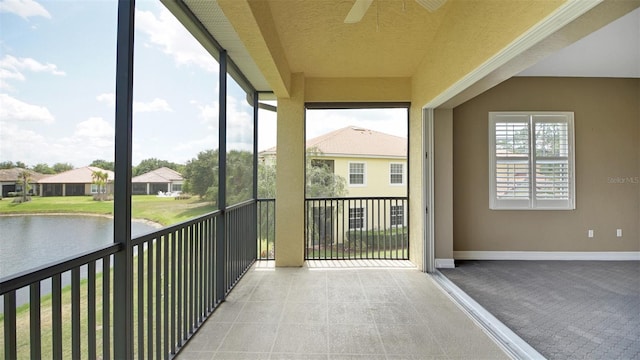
509	341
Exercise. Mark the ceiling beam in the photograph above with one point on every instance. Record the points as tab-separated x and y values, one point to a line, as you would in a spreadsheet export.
254	24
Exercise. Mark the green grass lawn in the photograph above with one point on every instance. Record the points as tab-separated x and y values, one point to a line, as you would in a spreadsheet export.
165	211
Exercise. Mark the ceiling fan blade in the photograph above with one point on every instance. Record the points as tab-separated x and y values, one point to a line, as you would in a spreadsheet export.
357	11
431	5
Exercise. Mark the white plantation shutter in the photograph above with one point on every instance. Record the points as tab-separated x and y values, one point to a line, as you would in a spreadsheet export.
531	160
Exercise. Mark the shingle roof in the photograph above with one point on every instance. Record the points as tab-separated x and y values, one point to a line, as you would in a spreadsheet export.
81	175
10	175
161	175
353	140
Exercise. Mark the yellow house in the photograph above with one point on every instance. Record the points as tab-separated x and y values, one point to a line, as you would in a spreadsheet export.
374	166
372	163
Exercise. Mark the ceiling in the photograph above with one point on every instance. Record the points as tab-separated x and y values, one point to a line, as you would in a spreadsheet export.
270	40
612	51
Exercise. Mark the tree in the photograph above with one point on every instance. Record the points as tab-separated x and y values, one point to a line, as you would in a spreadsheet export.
11	165
100	178
43	168
25	179
321	180
7	165
266	181
103	164
239	176
201	174
62	167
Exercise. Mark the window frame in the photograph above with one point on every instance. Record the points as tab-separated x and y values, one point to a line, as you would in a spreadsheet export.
364	173
402	174
401	214
362	219
533	201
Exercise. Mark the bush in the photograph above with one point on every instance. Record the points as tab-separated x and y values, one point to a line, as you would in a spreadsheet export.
381	239
20	200
102	197
183	197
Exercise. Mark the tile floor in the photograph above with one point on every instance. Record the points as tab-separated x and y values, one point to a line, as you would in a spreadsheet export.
339	311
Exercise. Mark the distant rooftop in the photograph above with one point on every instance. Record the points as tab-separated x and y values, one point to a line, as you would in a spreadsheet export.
161	175
353	140
9	175
83	175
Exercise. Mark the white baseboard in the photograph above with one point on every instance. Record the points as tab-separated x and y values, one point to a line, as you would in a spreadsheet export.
445	264
546	255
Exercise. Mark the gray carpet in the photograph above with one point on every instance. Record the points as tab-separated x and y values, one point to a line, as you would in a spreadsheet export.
563	309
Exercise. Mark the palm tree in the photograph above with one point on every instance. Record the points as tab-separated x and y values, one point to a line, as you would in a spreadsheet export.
25	179
100	178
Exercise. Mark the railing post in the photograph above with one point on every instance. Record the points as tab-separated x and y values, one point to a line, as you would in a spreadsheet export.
220	262
123	259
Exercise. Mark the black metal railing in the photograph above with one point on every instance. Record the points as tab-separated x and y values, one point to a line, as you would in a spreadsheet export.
356	228
266	237
79	310
240	240
176	278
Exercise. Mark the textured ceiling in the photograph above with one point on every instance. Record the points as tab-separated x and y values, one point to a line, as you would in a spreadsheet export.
390	40
271	39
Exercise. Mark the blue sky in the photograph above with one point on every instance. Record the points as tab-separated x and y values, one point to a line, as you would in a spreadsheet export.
57	84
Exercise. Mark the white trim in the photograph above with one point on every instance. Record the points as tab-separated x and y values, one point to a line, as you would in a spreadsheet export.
547	255
428	235
505	338
445	263
403	173
565	14
404	214
364	218
364	173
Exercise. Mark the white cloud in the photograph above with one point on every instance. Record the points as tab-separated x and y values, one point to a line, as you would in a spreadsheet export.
108	98
24	8
168	34
11	68
92	139
239	125
17	144
155	105
209	114
94	128
12	109
14	64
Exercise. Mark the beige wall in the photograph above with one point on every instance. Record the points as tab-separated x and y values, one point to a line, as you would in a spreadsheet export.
376	177
607	138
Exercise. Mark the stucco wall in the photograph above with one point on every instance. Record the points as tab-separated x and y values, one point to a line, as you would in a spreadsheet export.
376	179
607	140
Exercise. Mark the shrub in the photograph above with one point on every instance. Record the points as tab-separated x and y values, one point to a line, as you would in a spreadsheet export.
379	239
183	197
102	197
20	200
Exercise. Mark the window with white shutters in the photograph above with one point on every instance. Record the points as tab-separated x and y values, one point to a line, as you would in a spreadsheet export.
531	160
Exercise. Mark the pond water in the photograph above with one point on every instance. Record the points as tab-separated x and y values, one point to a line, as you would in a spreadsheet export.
30	241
